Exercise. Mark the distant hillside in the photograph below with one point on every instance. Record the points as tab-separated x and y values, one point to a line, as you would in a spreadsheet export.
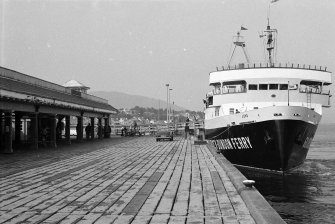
123	100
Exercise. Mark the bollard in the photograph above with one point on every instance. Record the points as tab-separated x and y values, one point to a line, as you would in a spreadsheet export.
200	137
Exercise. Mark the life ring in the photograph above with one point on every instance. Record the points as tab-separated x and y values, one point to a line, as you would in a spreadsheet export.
243	109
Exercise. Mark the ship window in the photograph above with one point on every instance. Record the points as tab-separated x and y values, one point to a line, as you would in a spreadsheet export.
231	110
231	89
253	87
310	86
283	86
263	86
273	86
217	89
210	100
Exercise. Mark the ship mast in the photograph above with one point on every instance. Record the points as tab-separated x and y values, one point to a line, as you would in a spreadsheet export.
239	42
271	44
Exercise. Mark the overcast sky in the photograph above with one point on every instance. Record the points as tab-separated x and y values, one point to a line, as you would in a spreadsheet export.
138	46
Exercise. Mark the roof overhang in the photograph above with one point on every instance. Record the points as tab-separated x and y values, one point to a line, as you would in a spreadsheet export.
14	96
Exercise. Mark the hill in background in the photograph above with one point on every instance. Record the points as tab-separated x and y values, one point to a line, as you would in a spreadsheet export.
123	100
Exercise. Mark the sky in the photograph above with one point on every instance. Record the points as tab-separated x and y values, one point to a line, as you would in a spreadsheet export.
137	46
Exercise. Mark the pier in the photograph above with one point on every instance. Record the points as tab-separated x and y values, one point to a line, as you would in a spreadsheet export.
127	180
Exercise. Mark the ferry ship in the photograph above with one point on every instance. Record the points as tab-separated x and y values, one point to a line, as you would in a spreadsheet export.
265	115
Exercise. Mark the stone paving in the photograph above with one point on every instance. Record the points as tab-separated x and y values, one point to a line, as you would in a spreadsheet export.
134	181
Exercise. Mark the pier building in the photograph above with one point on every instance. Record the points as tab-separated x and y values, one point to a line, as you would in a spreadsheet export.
36	112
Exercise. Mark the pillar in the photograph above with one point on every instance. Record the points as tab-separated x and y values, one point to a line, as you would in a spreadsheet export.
34	130
1	131
52	122
92	127
107	130
67	129
59	127
79	128
8	132
18	126
100	130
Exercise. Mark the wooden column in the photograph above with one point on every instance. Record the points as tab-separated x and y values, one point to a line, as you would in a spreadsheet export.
52	122
59	127
100	131
106	128
67	129
92	127
79	128
18	126
8	132
34	130
1	131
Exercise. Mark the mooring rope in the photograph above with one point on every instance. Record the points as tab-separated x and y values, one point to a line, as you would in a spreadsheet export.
221	133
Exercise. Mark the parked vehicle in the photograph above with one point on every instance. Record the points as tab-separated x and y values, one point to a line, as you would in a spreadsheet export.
164	134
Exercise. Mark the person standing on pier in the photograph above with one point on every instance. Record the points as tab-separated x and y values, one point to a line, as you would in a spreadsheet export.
187	128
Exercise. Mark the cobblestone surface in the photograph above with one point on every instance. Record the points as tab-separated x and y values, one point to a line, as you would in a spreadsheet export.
136	180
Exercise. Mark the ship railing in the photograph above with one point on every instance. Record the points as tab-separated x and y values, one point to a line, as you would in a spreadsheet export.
272	65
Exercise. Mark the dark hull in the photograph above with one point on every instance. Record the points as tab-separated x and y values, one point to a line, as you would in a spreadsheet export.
275	145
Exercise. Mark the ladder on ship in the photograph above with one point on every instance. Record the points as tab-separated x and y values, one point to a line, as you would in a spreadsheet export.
309	98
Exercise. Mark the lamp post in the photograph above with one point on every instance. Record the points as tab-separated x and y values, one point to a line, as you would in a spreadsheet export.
167	102
173	121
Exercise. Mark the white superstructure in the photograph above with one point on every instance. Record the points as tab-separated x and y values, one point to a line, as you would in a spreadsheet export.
246	89
239	90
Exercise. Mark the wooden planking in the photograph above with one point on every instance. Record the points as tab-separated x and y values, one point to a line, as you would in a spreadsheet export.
139	181
196	206
231	203
180	207
167	168
168	198
211	206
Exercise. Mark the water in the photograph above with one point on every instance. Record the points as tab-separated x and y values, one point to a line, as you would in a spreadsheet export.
306	195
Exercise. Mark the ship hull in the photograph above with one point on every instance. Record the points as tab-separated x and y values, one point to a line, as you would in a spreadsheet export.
279	145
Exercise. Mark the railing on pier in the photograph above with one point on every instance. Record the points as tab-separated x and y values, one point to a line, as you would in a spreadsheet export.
127	130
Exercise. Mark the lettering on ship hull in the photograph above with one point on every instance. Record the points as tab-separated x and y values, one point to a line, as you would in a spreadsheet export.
232	143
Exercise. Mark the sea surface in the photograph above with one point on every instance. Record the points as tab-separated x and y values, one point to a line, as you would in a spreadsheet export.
306	195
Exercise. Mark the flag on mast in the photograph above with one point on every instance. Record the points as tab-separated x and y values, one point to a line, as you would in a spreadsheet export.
243	28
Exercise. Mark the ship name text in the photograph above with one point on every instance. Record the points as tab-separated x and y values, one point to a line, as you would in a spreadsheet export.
232	143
